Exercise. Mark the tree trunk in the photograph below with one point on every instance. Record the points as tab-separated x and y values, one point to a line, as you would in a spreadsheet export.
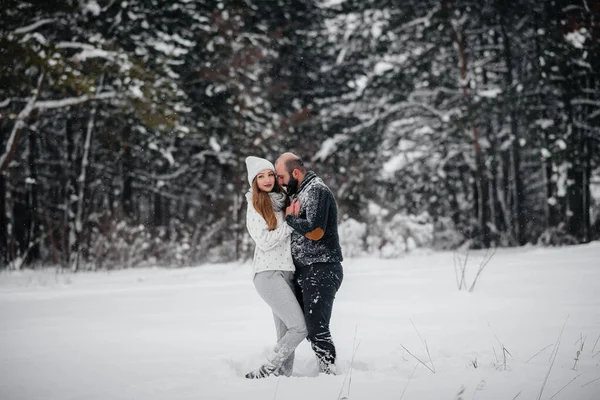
586	203
552	213
575	175
3	223
9	218
34	226
70	185
516	187
484	198
81	180
479	173
579	190
126	166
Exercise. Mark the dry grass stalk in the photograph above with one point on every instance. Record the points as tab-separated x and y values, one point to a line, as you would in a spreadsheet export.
561	389
582	340
409	378
505	351
460	268
590	382
594	348
349	373
555	352
486	259
417	358
276	387
538	353
424	344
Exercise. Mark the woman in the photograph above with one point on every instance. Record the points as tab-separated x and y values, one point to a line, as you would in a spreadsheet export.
273	266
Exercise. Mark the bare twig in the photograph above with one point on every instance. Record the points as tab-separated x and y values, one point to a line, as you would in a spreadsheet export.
517	395
464	269
594	348
536	354
561	389
349	373
455	258
582	339
409	378
424	344
591	382
352	369
460	267
276	387
557	345
417	358
486	259
504	353
504	349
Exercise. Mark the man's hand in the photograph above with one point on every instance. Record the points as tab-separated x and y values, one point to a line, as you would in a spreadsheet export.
293	208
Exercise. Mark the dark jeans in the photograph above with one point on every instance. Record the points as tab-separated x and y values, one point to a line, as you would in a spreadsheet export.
316	286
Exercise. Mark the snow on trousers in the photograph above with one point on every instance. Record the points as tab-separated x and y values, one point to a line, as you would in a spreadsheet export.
277	289
316	287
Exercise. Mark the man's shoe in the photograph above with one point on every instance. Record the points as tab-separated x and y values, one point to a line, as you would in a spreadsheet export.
262	372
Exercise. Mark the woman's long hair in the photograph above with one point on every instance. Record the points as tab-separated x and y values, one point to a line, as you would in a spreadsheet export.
263	204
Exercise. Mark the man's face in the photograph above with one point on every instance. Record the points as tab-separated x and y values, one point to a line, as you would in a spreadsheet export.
286	179
292	186
283	176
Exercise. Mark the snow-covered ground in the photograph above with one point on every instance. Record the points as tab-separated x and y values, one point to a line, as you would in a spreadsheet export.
192	333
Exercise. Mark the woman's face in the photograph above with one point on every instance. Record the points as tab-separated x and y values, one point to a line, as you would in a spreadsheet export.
265	180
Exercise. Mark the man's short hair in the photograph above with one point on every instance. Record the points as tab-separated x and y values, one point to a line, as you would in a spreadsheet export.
292	164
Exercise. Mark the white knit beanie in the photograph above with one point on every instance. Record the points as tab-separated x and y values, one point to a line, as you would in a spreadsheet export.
255	165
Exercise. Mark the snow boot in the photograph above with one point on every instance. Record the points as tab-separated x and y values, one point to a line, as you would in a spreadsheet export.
262	372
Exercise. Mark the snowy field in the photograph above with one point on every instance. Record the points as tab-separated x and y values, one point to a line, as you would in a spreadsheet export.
192	333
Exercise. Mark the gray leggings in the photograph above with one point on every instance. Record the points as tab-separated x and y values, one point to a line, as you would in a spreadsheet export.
277	290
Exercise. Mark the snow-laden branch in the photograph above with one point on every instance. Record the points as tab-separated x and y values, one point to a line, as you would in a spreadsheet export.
72	101
422	20
583	125
172	175
33	104
586	102
74	45
88	51
403	105
330	146
11	143
95	53
32	27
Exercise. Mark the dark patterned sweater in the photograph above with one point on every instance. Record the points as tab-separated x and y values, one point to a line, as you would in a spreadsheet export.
315	237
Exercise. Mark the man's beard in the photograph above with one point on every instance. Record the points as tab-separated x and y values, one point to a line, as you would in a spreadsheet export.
292	186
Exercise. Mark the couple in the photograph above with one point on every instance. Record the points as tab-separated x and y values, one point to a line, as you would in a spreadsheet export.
297	261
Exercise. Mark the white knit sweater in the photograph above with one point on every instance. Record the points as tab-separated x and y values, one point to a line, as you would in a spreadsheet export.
273	249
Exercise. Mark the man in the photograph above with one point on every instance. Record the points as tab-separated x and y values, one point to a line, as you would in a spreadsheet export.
316	252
